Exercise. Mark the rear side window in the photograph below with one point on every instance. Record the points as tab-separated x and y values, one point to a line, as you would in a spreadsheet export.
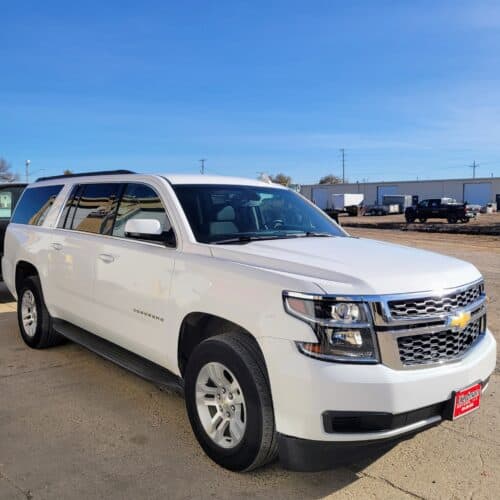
35	204
92	208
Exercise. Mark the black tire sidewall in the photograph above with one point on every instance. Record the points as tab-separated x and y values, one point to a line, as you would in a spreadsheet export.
32	285
243	455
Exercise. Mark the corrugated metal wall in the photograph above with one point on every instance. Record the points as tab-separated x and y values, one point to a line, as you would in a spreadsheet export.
453	188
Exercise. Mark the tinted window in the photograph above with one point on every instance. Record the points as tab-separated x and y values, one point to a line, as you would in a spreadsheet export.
218	212
35	204
6	200
96	208
140	202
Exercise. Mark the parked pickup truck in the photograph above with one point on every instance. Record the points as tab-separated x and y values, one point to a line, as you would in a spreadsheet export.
286	336
9	195
438	208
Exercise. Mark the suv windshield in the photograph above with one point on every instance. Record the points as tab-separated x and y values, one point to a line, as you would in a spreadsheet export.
233	214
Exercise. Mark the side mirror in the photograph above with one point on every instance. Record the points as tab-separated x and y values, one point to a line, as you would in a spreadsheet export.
144	229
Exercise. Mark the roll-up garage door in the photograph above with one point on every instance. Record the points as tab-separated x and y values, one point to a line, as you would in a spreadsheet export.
477	193
320	197
384	190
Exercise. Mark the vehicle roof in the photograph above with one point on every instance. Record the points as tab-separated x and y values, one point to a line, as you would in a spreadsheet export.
174	179
215	179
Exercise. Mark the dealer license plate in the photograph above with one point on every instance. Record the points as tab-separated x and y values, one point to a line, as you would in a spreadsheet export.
467	400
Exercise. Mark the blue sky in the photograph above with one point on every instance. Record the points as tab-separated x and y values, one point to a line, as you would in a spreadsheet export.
409	89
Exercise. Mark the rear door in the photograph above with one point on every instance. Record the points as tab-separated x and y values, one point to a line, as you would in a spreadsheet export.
86	218
133	277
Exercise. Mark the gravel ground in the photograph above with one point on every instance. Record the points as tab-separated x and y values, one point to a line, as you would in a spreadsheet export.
75	426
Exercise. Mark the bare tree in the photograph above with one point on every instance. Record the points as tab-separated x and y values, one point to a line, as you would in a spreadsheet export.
281	178
6	174
330	179
67	171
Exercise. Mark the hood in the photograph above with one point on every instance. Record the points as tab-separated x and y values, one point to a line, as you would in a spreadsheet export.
346	265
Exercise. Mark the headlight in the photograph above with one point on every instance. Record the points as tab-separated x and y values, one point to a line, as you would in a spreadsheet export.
343	327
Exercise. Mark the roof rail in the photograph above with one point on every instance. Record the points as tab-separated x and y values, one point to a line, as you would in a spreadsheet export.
85	174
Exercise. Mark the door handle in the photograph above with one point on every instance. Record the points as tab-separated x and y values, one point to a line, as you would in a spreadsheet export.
56	246
107	258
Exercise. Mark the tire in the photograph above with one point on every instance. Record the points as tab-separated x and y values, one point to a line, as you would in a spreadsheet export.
241	362
423	220
35	323
410	219
465	220
452	219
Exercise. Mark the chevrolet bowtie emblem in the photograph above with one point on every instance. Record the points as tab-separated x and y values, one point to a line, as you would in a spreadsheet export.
459	321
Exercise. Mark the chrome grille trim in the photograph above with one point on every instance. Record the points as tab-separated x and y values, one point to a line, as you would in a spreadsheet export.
416	343
435	304
383	316
437	347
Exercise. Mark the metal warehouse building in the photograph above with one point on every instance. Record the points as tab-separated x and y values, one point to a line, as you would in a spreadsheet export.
478	191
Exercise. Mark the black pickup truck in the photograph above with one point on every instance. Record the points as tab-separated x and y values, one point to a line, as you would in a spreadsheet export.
438	208
9	196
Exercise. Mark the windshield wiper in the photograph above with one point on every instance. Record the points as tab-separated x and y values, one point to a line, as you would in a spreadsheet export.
248	239
245	239
315	234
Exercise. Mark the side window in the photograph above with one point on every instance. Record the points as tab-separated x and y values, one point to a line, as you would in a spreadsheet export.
423	204
96	206
140	202
5	203
35	204
70	207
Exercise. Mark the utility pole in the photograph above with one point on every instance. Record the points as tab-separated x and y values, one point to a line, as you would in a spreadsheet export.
474	166
343	165
202	168
27	164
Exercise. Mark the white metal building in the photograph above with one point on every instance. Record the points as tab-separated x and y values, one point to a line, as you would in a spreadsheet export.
479	191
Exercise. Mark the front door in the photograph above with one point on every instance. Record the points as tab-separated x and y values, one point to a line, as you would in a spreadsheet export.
133	277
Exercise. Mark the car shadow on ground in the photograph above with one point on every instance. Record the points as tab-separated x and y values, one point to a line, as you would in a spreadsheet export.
5	295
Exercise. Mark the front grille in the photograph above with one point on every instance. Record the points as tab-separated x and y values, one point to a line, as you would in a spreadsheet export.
441	346
427	306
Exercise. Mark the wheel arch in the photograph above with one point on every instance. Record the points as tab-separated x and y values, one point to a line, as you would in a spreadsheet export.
199	326
24	270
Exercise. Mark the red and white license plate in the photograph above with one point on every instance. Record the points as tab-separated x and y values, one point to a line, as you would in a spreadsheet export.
467	400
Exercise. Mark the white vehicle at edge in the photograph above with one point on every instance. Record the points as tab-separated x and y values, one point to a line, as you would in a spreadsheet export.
288	336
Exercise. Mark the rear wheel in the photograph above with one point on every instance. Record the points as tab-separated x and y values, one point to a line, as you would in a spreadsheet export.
34	320
452	219
423	220
229	402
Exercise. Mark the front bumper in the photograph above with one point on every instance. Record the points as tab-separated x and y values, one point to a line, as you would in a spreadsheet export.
304	389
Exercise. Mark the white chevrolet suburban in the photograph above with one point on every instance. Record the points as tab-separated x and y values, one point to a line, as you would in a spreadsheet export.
286	335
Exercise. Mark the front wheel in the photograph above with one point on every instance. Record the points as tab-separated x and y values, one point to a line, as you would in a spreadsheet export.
423	220
229	402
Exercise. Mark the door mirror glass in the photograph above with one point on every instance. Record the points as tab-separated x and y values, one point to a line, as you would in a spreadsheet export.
144	229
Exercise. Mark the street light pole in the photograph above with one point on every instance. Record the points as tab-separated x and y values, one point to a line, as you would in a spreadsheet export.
202	168
27	164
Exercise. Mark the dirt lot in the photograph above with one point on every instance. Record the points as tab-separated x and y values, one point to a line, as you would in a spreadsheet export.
75	426
483	224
